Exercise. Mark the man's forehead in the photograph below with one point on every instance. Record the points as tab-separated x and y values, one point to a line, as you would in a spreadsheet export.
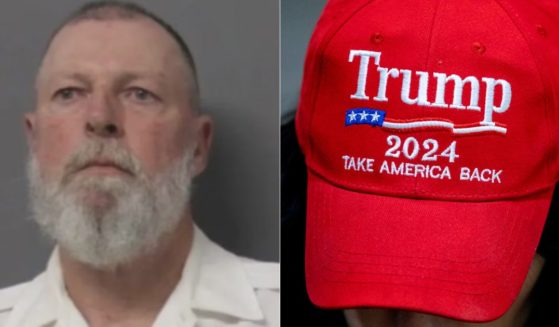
115	44
85	74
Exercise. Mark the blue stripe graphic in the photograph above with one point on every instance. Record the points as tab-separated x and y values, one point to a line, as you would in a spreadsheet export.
364	116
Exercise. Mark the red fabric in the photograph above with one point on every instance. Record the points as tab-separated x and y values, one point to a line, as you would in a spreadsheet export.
454	247
464	260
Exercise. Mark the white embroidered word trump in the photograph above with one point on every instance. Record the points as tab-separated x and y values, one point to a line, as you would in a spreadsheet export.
491	85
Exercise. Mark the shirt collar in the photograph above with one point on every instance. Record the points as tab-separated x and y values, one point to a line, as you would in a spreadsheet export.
45	299
65	310
213	281
222	284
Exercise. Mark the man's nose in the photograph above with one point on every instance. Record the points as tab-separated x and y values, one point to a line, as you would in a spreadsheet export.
102	118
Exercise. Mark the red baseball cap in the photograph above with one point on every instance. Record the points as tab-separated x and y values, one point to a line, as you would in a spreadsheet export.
430	131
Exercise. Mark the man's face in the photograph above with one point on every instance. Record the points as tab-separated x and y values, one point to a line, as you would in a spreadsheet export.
126	72
114	140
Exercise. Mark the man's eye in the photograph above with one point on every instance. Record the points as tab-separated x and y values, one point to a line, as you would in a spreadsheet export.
141	95
67	93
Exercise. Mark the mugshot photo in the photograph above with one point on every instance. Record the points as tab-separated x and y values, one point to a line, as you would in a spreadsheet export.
141	163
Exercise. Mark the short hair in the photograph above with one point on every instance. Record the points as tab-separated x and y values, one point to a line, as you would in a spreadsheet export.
113	9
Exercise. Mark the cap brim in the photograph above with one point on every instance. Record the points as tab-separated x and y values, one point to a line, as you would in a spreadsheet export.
462	260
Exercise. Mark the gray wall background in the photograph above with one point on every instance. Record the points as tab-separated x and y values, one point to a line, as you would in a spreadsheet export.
235	46
298	18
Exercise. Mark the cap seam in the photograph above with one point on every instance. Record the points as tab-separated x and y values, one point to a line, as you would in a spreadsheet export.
547	105
338	182
320	51
429	50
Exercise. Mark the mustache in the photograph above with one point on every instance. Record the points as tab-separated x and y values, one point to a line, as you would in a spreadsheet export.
105	152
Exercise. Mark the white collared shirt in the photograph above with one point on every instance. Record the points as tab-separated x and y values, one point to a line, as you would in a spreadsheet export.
217	288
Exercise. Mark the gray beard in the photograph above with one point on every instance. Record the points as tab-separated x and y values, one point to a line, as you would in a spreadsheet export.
139	211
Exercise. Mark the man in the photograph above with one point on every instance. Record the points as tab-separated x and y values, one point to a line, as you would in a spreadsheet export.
429	133
116	138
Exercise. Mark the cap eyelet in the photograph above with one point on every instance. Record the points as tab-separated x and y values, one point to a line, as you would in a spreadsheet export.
376	38
478	47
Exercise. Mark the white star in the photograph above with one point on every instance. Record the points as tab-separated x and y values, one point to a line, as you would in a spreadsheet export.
363	115
375	117
352	116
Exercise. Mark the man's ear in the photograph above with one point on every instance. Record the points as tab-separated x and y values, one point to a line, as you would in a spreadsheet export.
30	129
203	142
